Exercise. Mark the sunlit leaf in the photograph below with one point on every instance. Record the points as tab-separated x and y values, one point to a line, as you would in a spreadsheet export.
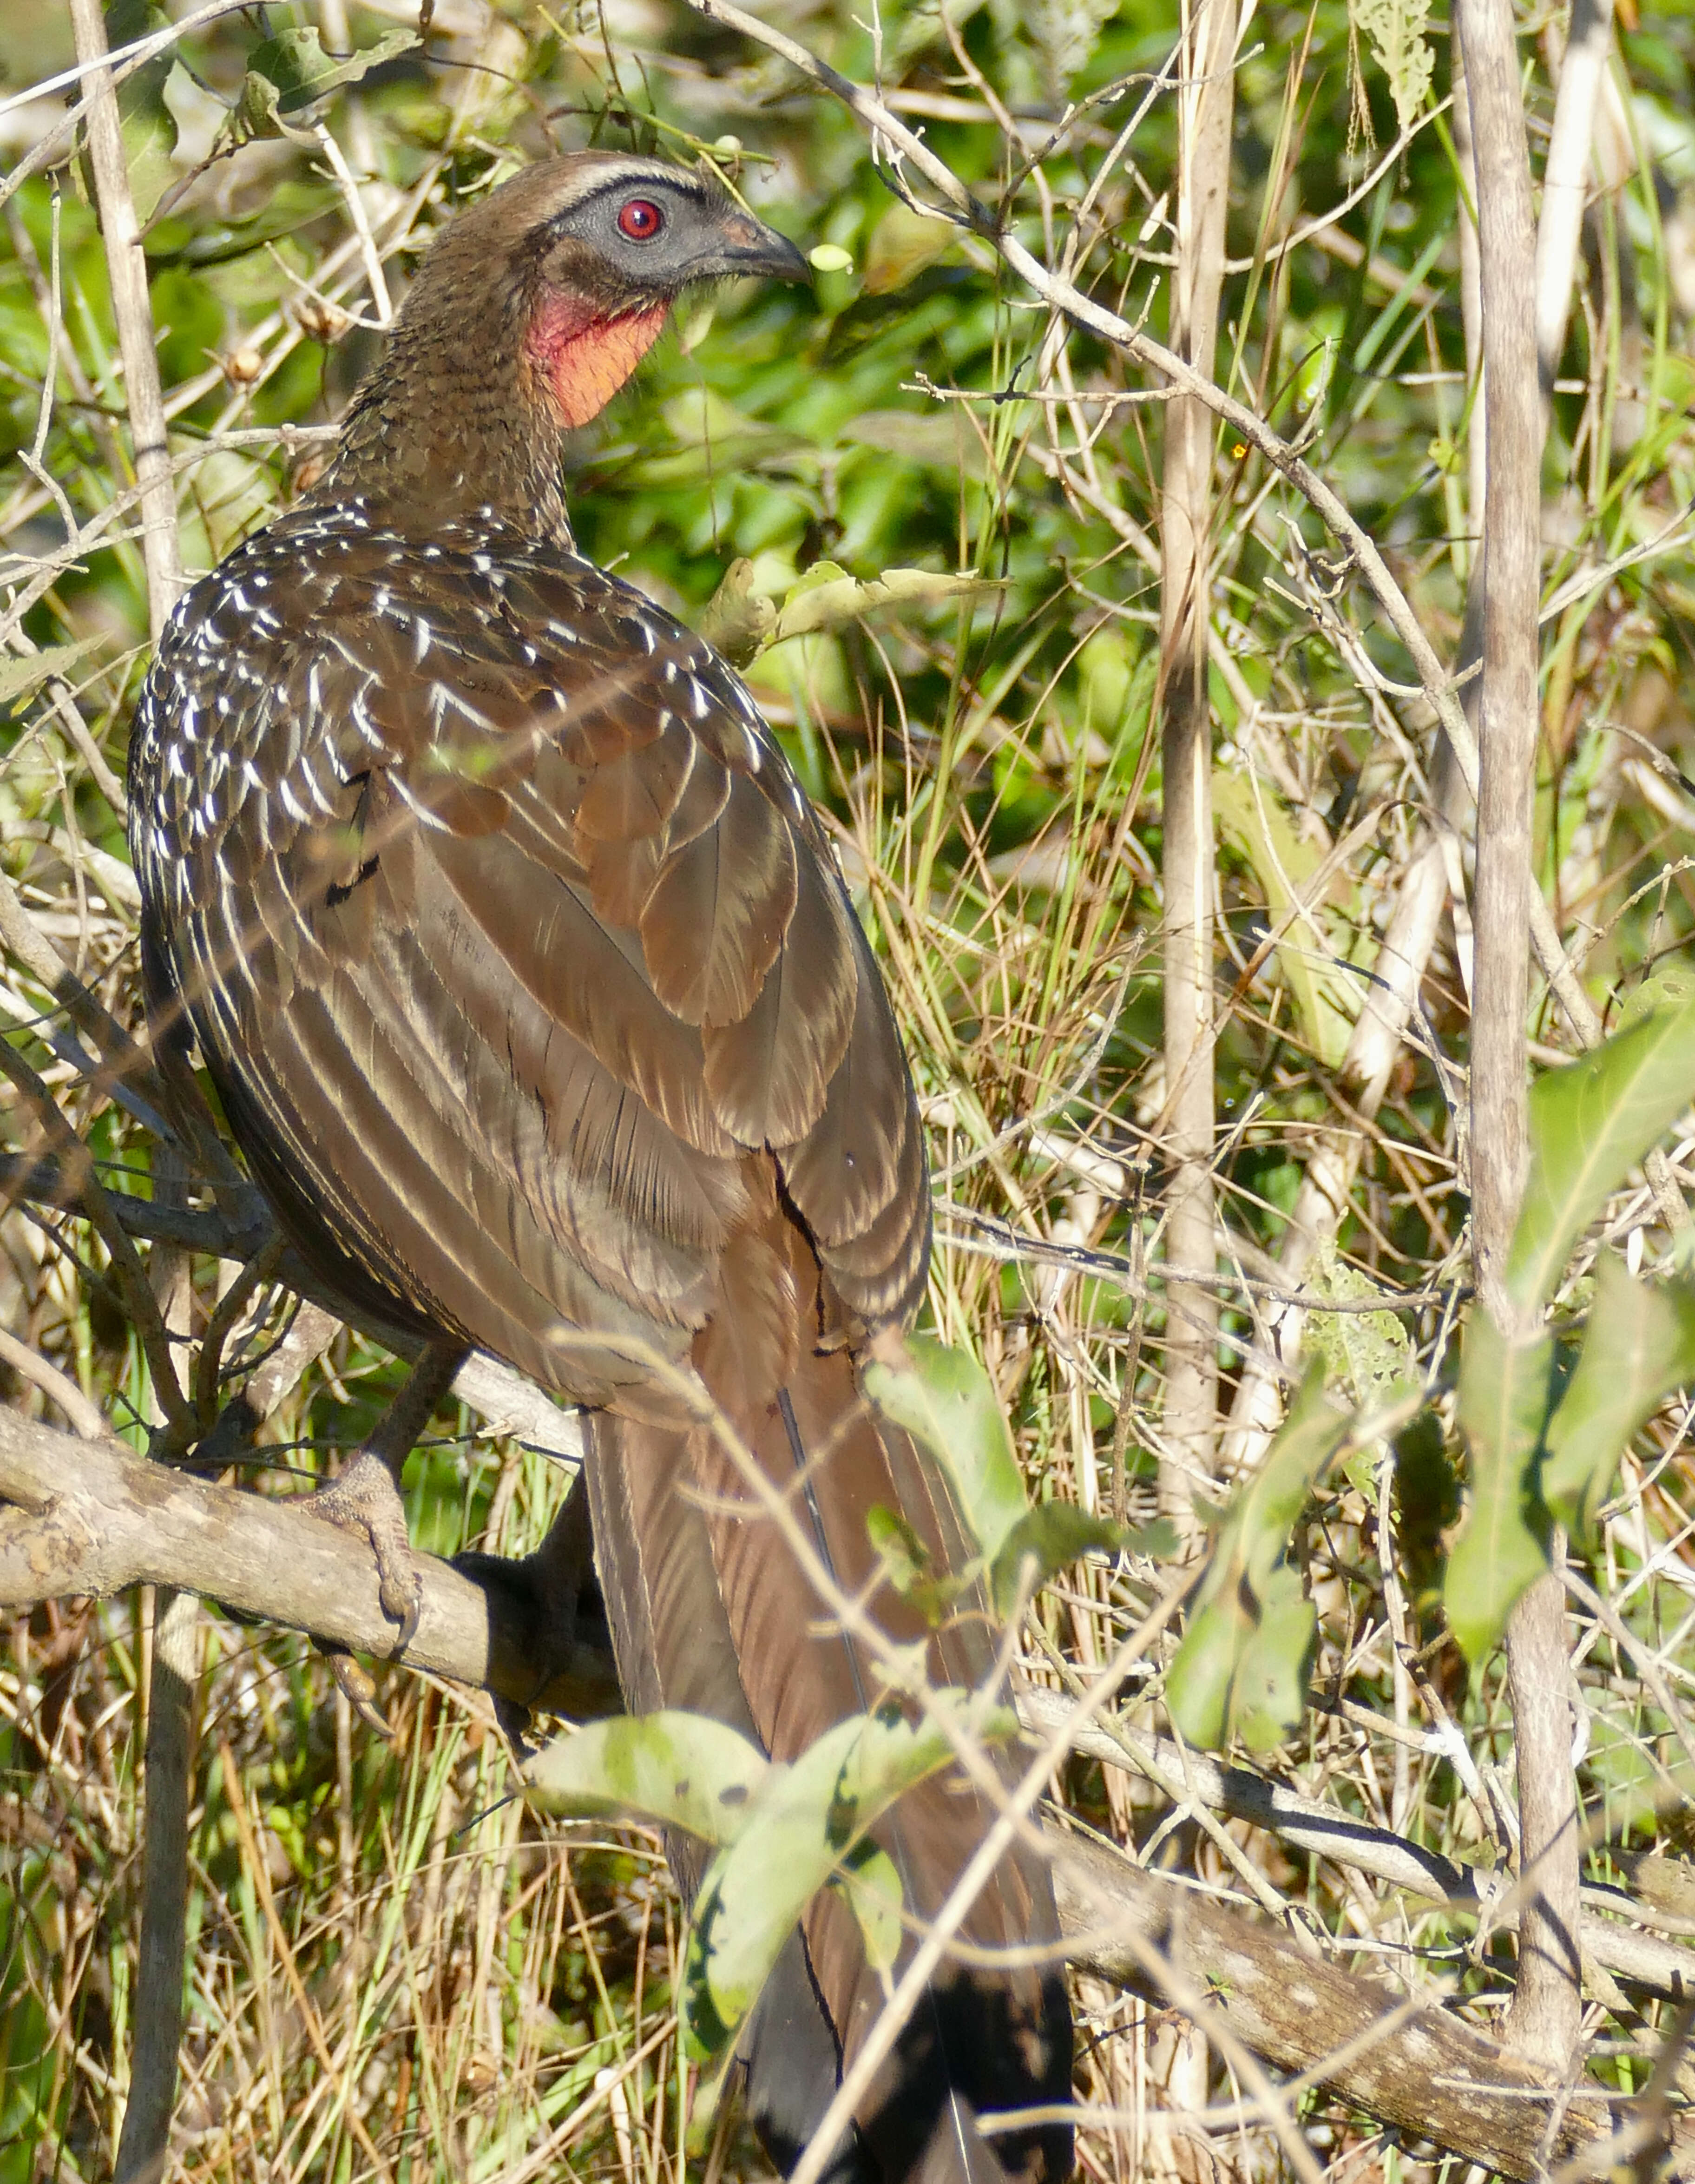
737	620
1053	1534
1591	1123
945	1400
1396	31
1286	867
816	605
19	677
1370	1353
682	1770
804	1820
1638	1347
872	1885
290	72
149	127
1241	1668
1505	1391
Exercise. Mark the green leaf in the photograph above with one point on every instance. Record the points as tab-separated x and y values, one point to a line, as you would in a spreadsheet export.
1241	1668
813	605
290	72
871	1885
737	620
19	677
1370	1353
1638	1347
1670	985
714	440
1505	1392
945	1399
909	1566
149	127
1590	1125
1286	867
804	1822
1053	1534
945	442
684	1770
902	245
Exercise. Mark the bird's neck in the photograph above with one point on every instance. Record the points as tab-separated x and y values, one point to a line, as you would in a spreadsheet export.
468	419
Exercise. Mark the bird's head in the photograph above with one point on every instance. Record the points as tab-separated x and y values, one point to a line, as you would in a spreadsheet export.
529	312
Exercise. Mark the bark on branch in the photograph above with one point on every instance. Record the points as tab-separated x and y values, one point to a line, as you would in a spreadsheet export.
92	1517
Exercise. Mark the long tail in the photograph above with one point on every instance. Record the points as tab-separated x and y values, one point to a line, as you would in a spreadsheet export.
711	1612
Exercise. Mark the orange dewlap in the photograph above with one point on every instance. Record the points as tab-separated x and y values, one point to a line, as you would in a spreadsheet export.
583	359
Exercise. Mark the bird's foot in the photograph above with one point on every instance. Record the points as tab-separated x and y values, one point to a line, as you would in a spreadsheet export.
365	1499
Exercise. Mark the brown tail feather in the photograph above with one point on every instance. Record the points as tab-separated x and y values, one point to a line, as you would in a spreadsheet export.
712	1610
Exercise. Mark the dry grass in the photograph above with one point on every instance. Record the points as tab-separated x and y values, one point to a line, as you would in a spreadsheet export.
395	1970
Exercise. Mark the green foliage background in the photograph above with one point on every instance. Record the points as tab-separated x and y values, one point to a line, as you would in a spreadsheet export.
991	770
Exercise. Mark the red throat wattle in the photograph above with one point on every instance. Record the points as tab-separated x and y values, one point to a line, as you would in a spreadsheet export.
582	358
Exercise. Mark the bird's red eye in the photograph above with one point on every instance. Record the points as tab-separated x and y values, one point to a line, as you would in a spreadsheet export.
641	219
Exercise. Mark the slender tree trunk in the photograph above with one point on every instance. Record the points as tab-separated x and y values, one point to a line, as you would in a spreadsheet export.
1204	110
1545	2015
144	2140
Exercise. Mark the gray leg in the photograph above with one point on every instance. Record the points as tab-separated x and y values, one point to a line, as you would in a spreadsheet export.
366	1497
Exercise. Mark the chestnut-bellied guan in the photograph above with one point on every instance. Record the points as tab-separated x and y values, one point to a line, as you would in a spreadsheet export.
535	1000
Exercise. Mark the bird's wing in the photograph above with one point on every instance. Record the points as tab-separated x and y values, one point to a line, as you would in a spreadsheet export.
507	929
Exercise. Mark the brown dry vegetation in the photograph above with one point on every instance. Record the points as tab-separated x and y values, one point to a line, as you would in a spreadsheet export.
393	1969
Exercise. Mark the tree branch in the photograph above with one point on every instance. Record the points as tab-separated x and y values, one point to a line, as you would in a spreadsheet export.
94	1517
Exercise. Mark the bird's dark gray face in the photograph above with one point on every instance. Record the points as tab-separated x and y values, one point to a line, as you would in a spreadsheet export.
647	232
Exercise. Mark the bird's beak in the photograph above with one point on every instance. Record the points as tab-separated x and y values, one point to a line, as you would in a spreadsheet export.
747	248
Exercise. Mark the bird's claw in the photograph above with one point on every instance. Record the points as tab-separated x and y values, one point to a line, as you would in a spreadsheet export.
365	1499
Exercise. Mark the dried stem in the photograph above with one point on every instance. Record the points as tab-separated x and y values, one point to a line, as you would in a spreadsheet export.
1205	102
133	311
1545	2016
103	1516
142	2149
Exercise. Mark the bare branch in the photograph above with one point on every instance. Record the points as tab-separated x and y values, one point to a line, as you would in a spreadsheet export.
1204	104
95	1517
133	310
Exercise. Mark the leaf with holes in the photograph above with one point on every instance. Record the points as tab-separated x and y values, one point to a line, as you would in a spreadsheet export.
1397	31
